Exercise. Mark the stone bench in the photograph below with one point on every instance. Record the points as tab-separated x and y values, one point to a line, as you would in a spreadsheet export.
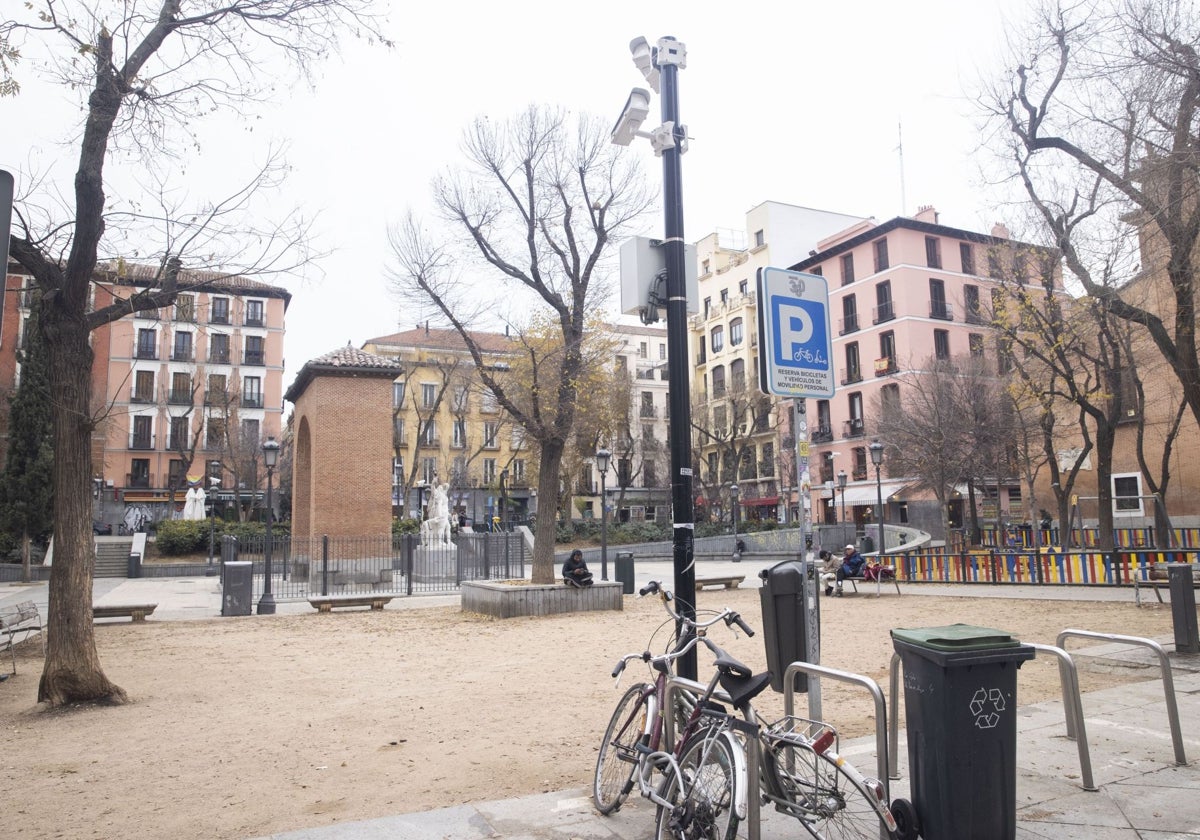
728	581
326	603
137	612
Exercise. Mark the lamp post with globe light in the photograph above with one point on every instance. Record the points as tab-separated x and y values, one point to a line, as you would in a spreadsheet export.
734	493
603	457
270	451
877	459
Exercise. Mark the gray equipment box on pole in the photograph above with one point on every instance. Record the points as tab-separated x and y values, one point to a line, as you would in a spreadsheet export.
237	587
624	571
784	625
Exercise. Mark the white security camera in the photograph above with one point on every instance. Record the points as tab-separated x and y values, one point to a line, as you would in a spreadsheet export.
643	59
636	109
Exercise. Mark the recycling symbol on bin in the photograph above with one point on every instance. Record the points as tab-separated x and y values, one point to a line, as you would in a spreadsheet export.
986	705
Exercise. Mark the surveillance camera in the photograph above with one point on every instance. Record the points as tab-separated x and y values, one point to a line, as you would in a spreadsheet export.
643	59
636	109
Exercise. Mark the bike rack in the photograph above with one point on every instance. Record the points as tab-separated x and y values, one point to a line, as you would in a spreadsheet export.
1164	664
881	741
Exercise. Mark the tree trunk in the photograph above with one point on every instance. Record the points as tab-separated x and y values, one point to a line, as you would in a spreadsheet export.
26	564
1105	440
72	672
544	570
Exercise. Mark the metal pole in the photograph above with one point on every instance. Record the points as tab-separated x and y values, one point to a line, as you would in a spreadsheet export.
879	501
266	604
677	353
603	527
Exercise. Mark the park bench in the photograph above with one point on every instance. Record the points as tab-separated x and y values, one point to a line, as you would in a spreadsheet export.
326	603
887	573
22	620
137	612
728	581
1157	578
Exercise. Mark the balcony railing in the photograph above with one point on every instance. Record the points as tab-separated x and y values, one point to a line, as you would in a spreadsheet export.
141	442
648	412
884	312
941	310
182	354
252	401
218	318
142	397
145	351
822	434
851	375
178	444
137	482
853	428
848	324
218	356
859	474
885	366
181	397
252	321
974	316
254	357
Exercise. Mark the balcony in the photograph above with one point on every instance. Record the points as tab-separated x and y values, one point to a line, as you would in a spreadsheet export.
851	375
186	316
143	442
219	318
884	312
859	474
182	396
766	469
252	401
822	434
142	397
253	321
848	325
941	310
853	428
145	351
182	354
215	397
218	356
648	412
885	366
178	444
974	316
254	357
136	481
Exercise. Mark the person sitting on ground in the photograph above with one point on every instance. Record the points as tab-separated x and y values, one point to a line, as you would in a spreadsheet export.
829	566
575	571
852	566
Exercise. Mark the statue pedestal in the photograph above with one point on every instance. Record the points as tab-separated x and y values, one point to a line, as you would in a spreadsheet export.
437	563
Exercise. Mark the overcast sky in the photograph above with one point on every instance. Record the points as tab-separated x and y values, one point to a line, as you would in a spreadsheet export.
797	103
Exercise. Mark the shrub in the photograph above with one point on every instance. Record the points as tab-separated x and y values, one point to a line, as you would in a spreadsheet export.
181	536
637	532
405	525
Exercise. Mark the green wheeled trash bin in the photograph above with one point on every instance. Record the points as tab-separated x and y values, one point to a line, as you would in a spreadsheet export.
960	702
624	571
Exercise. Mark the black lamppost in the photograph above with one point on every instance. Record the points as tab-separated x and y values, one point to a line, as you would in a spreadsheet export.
213	484
503	500
877	459
270	451
832	500
734	492
842	487
603	456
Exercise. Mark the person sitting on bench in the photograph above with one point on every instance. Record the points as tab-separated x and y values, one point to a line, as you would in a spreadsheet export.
852	566
575	571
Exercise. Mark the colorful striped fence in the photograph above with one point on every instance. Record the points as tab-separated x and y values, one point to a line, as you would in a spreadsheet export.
1050	566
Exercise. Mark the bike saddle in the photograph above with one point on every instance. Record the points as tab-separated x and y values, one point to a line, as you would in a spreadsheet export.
744	688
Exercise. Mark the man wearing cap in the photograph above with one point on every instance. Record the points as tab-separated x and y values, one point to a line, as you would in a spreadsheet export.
852	566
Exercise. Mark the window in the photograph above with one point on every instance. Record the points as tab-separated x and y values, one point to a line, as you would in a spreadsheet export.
704	267
744	287
889	398
180	434
760	239
717	339
218	349
488	403
458	438
255	354
736	332
518	471
718	381
887	353
139	473
707	306
181	389
881	254
252	396
219	311
858	457
647	409
143	433
933	252
827	473
429	433
1126	489
648	433
398	436
883	302
724	296
254	313
818	270
975	342
491	430
941	344
849	314
847	269
642	350
966	255
853	372
216	389
398	394
182	349
1004	354
767	466
622	363
737	374
147	344
938	308
185	308
143	386
973	313
429	469
649	476
461	399
662	351
251	434
854	404
993	260
1019	269
428	395
823	433
518	438
214	433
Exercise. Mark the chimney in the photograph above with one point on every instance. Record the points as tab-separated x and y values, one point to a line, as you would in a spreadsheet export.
927	213
1000	230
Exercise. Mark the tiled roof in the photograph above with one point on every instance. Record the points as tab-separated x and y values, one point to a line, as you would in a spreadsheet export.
437	338
140	274
349	361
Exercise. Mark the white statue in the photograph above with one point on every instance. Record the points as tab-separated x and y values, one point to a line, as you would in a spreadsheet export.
436	527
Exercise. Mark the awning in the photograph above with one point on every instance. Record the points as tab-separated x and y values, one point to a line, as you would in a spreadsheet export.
762	500
865	494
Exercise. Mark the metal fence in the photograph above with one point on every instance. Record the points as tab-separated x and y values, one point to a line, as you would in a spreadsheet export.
1122	567
302	567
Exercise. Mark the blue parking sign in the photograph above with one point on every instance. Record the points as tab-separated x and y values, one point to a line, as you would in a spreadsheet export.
793	314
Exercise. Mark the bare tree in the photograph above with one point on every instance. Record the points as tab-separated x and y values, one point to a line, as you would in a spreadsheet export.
539	206
1099	121
146	74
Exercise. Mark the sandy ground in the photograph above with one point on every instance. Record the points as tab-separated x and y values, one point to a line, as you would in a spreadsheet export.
241	727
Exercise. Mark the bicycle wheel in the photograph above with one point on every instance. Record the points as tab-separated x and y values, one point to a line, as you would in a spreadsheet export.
703	808
618	756
830	803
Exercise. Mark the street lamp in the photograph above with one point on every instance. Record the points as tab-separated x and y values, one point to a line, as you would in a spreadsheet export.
503	500
734	492
832	499
877	459
842	487
270	451
213	484
603	456
660	66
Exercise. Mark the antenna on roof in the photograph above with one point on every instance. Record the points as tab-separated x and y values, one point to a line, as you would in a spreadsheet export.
900	149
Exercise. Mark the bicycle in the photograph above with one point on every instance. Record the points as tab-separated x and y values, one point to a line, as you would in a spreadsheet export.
709	802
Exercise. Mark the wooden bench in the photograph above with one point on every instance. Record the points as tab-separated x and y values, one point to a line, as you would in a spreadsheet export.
24	620
888	574
729	581
137	612
326	603
1157	579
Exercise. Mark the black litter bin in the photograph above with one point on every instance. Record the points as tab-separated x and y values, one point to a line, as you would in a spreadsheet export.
784	626
960	701
866	544
237	582
624	571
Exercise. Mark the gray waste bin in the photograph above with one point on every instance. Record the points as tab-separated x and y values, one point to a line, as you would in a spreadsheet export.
624	571
135	565
784	624
960	703
237	587
1183	606
866	544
